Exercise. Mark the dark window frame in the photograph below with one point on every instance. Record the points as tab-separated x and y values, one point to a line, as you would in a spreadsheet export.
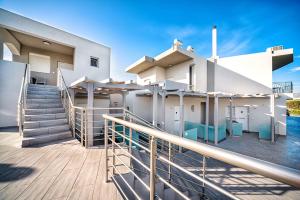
94	59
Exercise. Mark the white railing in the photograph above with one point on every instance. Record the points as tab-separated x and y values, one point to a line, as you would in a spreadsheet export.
158	153
22	97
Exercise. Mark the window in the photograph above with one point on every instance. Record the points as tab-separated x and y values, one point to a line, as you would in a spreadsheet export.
7	55
94	62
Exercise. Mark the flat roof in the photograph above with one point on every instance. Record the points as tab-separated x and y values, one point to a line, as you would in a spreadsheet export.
171	57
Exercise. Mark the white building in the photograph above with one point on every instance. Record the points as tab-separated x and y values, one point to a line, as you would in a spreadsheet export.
245	78
45	48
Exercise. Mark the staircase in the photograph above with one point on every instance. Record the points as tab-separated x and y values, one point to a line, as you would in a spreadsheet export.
44	116
186	184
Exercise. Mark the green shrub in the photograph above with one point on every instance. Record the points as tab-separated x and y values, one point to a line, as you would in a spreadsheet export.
294	112
293	104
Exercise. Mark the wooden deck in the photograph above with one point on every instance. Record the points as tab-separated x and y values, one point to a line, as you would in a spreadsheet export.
63	170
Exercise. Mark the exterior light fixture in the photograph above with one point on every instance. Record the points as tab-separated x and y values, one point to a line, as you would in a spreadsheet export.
46	42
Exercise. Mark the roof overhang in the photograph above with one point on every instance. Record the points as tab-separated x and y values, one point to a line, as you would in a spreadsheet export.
281	58
106	86
166	59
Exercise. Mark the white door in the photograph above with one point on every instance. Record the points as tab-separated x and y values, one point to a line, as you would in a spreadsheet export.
39	63
241	116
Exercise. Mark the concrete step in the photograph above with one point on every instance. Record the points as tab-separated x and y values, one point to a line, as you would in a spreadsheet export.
42	92
42	117
44	111
32	89
43	105
45	130
42	86
43	96
44	123
43	101
42	139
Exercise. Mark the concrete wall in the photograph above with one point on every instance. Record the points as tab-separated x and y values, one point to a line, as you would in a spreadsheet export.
256	66
84	49
280	114
151	75
9	90
54	59
10	41
229	81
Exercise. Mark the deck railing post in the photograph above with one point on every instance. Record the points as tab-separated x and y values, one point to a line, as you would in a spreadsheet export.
170	159
152	167
86	132
106	150
203	172
81	126
74	121
113	146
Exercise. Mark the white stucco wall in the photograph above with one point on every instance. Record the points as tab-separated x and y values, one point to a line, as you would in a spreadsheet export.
151	75
256	66
84	49
9	90
229	81
10	41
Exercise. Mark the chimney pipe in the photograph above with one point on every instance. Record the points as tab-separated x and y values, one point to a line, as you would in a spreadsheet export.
214	42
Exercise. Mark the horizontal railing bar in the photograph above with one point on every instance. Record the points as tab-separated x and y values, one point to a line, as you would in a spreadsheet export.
197	177
132	190
130	155
277	172
172	187
146	186
132	141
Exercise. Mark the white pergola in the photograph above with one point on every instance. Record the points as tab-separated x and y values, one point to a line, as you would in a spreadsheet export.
155	90
103	88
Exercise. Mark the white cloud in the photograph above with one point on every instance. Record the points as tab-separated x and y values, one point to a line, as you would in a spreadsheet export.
181	32
295	69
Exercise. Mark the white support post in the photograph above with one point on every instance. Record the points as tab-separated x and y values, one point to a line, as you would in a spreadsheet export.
272	110
163	106
230	115
216	118
154	105
181	116
124	112
81	126
206	118
90	114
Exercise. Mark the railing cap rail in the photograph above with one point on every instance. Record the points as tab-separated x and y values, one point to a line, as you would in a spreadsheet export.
277	172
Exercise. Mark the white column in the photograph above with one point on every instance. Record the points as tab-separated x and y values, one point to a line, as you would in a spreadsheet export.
272	110
181	117
216	118
206	117
230	115
90	114
163	106
154	106
124	113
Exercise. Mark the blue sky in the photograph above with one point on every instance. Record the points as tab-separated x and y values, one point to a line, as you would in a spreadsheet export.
137	28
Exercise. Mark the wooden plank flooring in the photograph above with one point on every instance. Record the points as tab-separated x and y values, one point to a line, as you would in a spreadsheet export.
65	170
62	170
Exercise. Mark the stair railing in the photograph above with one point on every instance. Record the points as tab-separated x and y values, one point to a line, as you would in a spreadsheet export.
22	98
67	102
267	169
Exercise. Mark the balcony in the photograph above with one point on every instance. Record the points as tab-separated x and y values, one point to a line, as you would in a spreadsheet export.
282	87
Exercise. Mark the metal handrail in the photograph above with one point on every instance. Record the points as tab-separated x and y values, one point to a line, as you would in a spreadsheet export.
65	85
277	172
21	99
